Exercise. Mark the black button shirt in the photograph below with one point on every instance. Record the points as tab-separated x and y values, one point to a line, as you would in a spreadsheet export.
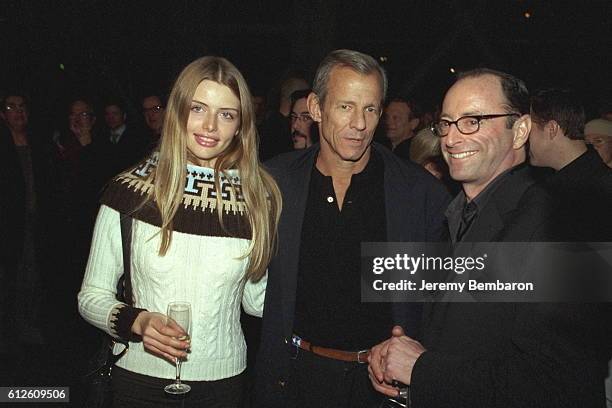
461	218
328	310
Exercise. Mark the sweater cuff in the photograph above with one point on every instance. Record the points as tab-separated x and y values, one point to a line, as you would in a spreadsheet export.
122	319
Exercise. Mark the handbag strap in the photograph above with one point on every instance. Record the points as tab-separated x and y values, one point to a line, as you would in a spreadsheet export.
126	241
124	286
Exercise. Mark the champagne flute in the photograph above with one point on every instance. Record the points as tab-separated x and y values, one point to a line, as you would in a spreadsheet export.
180	312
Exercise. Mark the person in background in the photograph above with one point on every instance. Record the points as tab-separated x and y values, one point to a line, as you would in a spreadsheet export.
401	119
121	146
24	205
274	131
259	105
598	133
425	151
205	215
304	133
153	110
581	178
78	180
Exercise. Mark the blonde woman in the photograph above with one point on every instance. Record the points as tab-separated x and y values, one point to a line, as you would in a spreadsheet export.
205	218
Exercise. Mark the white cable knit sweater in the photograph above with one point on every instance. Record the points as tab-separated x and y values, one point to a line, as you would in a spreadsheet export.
205	270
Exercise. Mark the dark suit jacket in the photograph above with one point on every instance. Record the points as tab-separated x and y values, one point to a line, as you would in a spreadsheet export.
13	196
583	189
510	354
115	158
414	201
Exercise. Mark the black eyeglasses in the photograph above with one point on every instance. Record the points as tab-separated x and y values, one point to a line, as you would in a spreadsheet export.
467	125
302	118
156	108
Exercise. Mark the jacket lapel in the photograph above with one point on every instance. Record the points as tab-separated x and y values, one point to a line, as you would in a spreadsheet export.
491	222
400	228
295	185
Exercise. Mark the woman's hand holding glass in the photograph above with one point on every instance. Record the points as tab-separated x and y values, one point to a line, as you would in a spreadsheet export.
160	336
179	313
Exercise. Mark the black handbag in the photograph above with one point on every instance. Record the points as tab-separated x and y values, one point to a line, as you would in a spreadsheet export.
99	369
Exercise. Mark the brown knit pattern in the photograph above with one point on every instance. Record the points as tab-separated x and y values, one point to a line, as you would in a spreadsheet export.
197	215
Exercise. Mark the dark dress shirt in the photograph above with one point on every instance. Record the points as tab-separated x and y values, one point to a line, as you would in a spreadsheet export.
329	311
461	213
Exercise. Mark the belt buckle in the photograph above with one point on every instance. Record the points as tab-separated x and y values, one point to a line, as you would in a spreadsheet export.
295	349
359	353
296	341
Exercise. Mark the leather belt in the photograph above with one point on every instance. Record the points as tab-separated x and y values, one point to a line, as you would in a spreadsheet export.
360	357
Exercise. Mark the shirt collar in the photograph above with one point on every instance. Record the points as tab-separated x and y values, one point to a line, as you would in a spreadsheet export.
119	131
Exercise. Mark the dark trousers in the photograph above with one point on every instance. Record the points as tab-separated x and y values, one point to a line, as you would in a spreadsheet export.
132	390
323	382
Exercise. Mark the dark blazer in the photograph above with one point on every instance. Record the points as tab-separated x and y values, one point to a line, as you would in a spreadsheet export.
13	196
414	201
510	354
115	158
583	190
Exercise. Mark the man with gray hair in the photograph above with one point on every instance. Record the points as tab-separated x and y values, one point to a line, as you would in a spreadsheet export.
339	193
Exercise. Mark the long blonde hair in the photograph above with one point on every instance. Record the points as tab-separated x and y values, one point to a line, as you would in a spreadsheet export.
260	192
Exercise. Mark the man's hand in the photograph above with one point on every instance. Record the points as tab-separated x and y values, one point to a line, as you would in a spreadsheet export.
393	360
159	335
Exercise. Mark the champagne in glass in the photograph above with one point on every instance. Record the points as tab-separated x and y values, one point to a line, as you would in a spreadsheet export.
180	312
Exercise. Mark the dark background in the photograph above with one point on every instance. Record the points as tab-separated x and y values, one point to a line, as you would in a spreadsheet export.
127	48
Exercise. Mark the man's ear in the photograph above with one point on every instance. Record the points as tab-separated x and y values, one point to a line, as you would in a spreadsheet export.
553	129
520	130
314	106
414	123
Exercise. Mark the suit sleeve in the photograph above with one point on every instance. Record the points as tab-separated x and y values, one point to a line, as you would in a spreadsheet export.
555	359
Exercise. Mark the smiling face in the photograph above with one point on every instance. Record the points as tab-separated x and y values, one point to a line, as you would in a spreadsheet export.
476	159
348	117
214	121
